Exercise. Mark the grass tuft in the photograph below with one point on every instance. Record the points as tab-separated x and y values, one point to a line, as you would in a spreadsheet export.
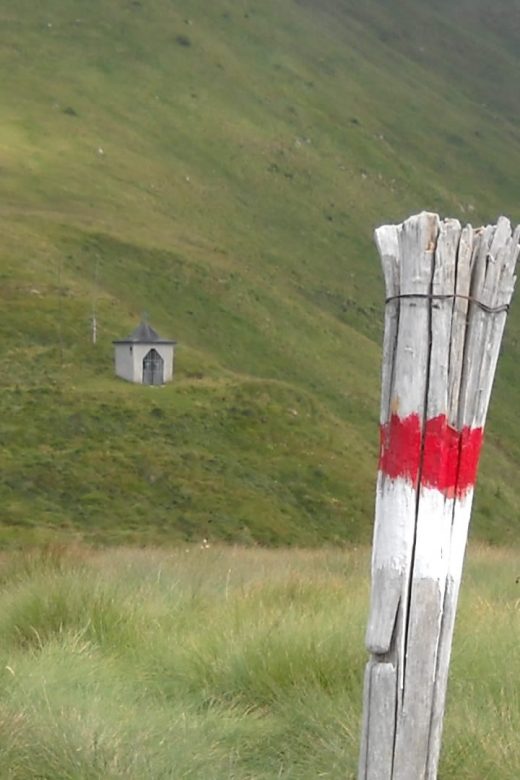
228	663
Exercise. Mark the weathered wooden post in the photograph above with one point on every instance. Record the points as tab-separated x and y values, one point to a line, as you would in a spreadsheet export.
448	290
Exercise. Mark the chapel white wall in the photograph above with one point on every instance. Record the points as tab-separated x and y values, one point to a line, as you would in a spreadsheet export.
124	362
129	360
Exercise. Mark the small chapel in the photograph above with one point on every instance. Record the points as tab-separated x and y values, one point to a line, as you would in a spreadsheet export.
145	357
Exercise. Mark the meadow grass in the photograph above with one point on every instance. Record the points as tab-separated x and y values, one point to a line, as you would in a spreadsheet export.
228	663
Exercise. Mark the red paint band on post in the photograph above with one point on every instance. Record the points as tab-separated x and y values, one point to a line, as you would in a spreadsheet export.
470	445
449	457
440	464
400	447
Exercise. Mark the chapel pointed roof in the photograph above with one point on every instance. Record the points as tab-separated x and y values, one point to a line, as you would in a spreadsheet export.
144	334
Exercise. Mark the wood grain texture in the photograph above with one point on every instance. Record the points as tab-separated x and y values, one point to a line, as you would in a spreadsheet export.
448	289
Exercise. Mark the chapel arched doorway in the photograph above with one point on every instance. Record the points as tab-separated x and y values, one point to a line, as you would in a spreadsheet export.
153	368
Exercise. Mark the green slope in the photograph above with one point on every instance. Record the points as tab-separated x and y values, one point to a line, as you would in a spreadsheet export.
222	167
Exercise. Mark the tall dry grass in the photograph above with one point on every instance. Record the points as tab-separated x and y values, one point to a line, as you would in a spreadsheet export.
228	663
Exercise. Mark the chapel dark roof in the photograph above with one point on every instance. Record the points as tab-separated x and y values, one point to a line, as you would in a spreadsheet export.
144	334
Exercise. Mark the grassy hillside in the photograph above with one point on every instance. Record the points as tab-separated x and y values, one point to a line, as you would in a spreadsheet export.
222	166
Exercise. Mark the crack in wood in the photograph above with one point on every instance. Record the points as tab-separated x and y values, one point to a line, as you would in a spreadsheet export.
448	290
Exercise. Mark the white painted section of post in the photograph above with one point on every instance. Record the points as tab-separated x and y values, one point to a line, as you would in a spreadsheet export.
390	553
448	289
432	533
494	294
404	373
